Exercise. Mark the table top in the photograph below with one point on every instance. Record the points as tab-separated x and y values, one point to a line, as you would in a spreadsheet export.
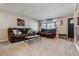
33	36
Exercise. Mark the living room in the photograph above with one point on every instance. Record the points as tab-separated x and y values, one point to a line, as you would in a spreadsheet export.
50	22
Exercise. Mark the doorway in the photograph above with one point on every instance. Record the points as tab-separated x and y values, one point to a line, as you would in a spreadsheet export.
71	29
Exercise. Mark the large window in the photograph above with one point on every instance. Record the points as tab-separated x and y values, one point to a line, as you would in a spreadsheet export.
49	24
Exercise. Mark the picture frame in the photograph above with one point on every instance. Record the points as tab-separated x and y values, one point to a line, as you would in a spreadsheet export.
20	22
61	22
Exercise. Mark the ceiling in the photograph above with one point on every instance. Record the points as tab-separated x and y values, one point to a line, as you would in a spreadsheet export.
39	11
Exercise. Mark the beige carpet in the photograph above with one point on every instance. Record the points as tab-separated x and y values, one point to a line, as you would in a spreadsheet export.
44	47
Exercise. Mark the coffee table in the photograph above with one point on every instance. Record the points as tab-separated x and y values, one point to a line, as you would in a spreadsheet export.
30	38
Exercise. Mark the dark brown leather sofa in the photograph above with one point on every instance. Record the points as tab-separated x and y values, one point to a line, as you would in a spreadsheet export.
51	33
14	38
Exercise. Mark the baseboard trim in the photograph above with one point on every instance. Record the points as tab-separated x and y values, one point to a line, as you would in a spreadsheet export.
3	40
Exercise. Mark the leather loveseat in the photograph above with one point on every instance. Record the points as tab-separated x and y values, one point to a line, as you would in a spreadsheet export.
16	38
51	33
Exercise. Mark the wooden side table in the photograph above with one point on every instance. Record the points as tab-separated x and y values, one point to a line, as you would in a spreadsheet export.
64	36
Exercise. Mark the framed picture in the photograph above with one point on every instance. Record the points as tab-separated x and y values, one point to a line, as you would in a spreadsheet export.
61	22
20	22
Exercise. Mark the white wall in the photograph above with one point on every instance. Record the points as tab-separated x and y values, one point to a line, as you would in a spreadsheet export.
8	20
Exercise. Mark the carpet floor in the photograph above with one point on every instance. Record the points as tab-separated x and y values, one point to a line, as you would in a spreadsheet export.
44	47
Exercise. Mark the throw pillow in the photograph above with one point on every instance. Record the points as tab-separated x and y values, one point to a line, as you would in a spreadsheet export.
18	33
15	32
